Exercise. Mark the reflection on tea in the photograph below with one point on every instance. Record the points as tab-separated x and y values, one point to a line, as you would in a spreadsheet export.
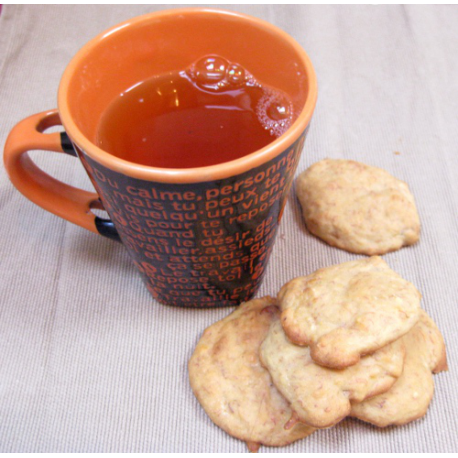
212	112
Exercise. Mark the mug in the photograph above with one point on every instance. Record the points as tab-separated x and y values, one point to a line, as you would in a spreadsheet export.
200	237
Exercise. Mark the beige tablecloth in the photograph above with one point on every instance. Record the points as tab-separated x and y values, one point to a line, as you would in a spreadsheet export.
90	363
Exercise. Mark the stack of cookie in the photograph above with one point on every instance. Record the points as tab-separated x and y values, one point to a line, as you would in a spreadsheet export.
347	340
347	335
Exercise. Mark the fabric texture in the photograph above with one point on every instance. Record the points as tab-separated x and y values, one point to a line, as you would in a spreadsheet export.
89	362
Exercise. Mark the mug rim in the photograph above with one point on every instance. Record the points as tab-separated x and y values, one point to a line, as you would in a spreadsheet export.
198	174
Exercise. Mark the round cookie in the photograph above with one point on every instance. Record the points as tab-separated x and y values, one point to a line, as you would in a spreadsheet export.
348	310
320	396
410	396
230	383
356	207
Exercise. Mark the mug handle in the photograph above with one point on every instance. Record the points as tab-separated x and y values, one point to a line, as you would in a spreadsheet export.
63	200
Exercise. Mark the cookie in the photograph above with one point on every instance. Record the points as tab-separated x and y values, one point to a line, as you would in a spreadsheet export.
411	395
230	383
356	207
320	396
348	310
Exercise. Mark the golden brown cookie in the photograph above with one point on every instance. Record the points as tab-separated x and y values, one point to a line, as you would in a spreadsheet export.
356	207
320	396
348	310
410	396
231	385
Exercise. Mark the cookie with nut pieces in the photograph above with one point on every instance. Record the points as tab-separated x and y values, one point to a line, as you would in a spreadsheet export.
408	399
233	387
348	310
320	396
357	207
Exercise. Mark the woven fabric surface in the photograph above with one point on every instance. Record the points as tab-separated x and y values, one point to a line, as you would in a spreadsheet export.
89	362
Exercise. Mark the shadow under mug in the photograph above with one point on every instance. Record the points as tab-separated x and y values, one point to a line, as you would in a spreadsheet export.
200	237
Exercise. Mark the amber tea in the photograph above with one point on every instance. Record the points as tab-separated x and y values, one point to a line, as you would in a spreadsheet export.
212	112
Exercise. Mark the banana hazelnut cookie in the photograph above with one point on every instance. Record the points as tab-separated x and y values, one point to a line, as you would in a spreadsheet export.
348	310
410	396
233	387
356	207
320	396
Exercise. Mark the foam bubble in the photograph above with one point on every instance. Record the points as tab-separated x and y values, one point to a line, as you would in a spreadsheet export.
216	73
236	74
278	110
210	69
274	111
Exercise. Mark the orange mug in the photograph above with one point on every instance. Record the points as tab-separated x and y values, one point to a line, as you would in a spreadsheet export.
199	236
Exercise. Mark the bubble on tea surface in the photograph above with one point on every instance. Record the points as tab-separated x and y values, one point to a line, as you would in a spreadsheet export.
274	111
209	71
236	74
217	73
278	111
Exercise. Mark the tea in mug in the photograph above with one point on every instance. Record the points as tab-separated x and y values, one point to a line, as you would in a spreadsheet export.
212	112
